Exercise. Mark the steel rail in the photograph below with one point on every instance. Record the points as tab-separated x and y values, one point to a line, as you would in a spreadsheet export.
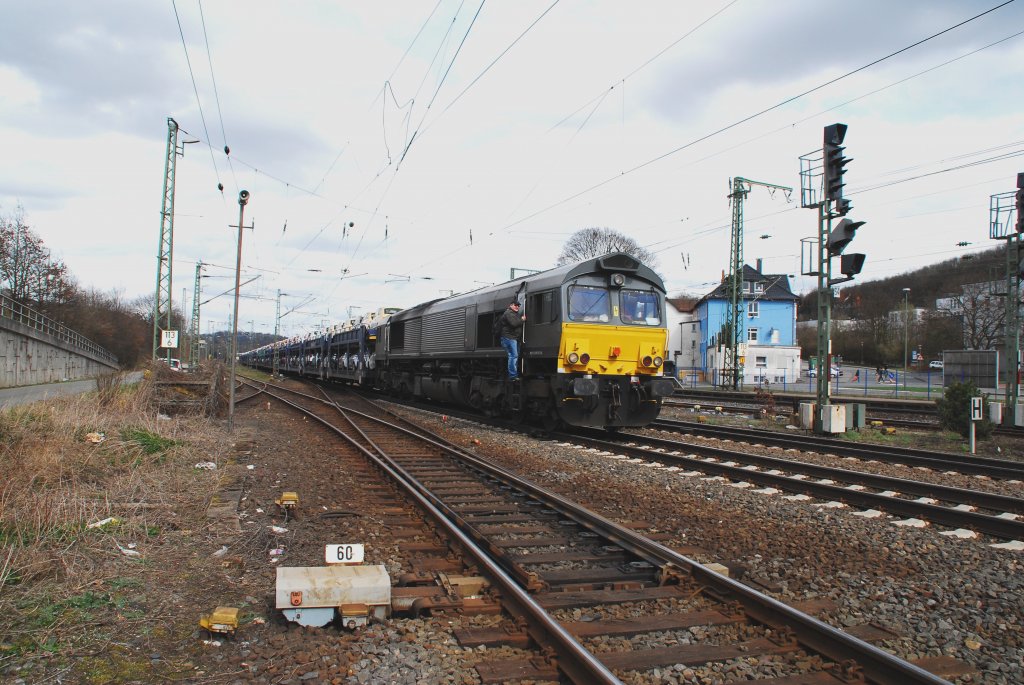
573	659
1007	529
941	461
946	493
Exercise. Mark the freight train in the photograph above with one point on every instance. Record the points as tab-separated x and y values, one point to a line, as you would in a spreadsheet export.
593	348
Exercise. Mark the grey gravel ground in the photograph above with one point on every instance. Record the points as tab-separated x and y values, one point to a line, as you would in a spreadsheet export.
944	595
941	595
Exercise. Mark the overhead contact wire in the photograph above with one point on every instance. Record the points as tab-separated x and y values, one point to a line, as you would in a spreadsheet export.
748	118
195	88
216	95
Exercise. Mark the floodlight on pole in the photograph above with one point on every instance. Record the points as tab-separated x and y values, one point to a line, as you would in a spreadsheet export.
243	199
906	333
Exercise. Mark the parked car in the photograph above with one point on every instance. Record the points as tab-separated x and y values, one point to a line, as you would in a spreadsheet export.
937	364
836	372
175	364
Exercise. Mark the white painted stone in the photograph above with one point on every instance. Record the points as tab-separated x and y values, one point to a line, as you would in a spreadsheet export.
911	523
959	533
869	513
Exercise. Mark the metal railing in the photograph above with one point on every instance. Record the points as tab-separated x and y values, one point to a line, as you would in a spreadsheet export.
26	316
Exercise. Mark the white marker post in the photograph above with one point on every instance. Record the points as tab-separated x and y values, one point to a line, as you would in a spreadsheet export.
976	415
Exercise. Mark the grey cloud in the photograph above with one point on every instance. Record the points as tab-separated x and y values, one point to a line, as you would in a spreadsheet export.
97	65
785	40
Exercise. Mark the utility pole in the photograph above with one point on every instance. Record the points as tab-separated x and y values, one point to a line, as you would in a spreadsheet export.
827	167
277	334
165	250
1002	207
732	369
906	333
243	199
194	328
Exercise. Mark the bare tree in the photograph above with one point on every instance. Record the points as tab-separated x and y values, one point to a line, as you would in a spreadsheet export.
983	315
28	271
588	243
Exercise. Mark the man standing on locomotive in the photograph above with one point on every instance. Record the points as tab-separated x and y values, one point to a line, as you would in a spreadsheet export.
511	328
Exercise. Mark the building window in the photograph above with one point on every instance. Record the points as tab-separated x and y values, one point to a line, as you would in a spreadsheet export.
694	329
751	335
693	343
752	308
762	362
747	286
759	287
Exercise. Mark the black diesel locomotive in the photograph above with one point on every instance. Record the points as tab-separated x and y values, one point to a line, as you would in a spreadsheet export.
592	352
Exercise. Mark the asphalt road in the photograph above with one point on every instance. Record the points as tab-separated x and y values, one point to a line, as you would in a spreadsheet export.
26	394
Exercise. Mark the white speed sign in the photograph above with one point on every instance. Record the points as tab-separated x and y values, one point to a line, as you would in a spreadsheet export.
344	554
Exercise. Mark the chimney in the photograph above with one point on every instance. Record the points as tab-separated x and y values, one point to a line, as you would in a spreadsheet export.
759	260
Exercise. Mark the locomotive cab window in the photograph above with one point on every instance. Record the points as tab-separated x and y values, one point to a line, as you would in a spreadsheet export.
639	308
588	303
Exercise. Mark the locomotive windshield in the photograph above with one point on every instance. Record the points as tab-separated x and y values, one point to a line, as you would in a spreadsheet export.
587	303
640	308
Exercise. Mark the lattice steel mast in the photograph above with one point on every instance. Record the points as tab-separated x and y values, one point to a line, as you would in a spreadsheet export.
162	302
194	329
732	368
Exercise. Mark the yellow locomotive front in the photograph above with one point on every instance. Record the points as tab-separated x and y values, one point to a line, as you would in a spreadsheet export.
610	367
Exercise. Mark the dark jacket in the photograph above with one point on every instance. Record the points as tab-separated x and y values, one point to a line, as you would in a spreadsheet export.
511	324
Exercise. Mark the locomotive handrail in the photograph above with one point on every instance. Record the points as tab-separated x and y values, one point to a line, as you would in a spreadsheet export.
26	316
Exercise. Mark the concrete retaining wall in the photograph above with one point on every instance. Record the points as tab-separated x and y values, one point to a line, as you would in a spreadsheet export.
28	357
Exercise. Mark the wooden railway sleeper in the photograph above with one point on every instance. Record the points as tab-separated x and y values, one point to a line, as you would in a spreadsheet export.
535	584
783	636
850	672
547	658
733	609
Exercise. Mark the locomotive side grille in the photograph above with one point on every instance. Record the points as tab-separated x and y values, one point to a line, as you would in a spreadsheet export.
444	331
413	333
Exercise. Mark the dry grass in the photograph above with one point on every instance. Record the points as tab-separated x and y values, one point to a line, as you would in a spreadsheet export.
57	480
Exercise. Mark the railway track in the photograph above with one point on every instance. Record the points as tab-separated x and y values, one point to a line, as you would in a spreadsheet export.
547	557
771	472
915	415
940	461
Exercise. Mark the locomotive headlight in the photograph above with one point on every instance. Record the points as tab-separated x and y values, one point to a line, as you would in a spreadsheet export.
573	358
647	360
658	361
584	358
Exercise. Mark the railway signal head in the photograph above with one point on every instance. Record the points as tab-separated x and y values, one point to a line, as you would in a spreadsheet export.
834	162
851	264
842	235
1020	210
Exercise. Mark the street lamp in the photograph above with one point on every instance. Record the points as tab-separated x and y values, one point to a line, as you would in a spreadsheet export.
906	333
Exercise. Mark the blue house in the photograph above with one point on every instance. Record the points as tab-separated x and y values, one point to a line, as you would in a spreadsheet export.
767	329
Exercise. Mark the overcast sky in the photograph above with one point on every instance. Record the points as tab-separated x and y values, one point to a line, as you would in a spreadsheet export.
463	139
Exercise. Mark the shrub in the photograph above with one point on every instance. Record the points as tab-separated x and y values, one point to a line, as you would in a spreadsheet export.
955	410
